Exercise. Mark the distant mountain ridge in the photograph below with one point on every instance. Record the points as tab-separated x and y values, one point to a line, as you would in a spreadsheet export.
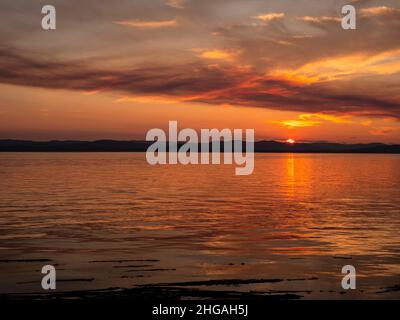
9	145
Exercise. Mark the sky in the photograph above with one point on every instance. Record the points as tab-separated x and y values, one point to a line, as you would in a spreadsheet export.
116	69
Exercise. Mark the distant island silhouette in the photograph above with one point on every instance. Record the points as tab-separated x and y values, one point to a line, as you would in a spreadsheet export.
9	145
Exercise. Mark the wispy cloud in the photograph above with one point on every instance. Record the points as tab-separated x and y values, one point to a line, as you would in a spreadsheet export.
385	130
292	124
270	16
311	120
149	99
384	63
374	11
326	117
178	4
147	24
217	54
319	19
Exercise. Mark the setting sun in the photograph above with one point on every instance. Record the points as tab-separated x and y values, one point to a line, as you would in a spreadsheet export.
291	141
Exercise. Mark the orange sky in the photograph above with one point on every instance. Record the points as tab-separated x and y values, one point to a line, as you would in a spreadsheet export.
286	69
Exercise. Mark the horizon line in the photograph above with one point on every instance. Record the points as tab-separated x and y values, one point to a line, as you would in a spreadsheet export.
182	141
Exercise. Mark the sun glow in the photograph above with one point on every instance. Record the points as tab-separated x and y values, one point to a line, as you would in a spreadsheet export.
291	141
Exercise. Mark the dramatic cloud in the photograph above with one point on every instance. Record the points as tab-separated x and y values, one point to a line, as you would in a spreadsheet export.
196	82
301	60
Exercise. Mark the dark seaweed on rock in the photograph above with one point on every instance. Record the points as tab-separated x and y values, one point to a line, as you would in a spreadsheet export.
25	260
146	293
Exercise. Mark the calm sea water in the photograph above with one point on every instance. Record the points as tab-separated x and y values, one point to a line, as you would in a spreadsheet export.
298	217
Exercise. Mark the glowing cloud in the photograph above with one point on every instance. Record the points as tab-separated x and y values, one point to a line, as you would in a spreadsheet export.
270	16
310	120
218	54
148	99
374	11
385	63
292	124
147	24
326	117
319	19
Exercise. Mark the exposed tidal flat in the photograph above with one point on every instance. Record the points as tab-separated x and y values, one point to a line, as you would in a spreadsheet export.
114	226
